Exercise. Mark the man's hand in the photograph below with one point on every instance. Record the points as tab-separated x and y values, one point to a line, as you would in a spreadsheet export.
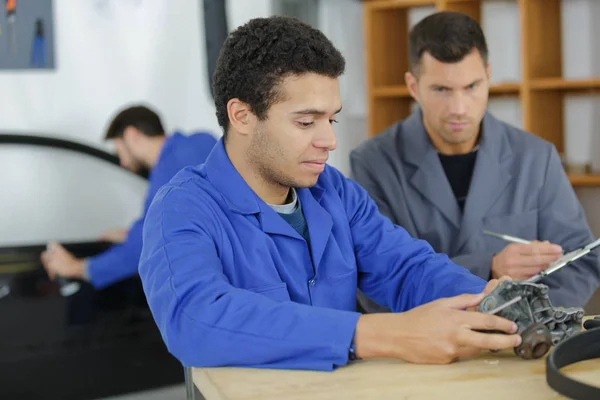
114	235
489	288
491	285
58	261
435	333
522	261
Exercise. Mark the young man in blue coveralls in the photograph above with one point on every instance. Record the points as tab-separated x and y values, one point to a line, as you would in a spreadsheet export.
253	259
140	142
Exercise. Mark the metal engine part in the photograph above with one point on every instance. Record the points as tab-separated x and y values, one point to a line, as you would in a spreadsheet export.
539	323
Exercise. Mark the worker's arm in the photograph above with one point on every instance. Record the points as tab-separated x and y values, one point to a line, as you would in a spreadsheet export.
205	321
117	263
114	235
479	263
395	269
562	221
121	260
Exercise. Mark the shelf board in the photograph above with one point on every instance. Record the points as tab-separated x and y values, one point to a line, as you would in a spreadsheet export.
584	180
391	91
402	91
396	4
505	88
592	84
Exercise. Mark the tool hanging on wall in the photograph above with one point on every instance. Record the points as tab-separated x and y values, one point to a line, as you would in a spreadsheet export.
38	47
11	16
215	32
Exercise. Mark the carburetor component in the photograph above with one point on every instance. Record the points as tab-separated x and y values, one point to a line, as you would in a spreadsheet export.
539	323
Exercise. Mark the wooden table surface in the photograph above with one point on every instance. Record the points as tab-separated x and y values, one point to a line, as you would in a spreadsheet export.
500	375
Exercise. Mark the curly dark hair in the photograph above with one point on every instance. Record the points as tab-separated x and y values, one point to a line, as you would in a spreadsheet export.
448	36
257	56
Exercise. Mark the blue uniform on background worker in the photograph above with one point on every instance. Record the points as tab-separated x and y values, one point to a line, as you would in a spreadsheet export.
140	142
254	258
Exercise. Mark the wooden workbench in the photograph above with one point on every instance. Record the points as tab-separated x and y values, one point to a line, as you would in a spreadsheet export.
489	376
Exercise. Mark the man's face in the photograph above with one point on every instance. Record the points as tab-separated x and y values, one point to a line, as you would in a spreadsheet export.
125	148
453	98
291	146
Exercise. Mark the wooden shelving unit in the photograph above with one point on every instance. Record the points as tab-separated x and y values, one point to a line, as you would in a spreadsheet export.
541	90
585	180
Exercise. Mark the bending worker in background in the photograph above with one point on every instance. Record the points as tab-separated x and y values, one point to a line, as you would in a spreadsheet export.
254	258
140	142
451	170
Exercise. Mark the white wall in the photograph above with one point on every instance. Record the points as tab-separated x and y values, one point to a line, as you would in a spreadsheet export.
581	59
335	19
241	11
108	53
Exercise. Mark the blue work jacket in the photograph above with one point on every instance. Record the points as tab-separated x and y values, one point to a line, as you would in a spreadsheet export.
121	260
226	277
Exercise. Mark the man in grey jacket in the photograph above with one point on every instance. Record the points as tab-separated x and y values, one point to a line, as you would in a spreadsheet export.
451	170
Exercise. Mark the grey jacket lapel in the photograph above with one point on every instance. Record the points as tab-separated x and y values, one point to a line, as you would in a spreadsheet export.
429	179
490	177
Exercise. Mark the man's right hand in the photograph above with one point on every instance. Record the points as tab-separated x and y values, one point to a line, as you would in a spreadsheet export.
114	235
435	333
522	261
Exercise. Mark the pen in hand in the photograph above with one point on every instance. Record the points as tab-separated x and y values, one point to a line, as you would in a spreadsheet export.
568	256
508	238
523	259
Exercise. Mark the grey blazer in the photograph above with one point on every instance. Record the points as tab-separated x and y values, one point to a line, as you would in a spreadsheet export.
519	187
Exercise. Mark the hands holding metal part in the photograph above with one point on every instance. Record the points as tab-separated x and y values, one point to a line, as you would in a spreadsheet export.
489	288
442	331
435	333
521	261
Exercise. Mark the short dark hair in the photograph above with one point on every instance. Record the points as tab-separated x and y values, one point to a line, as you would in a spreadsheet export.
140	117
258	55
447	36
